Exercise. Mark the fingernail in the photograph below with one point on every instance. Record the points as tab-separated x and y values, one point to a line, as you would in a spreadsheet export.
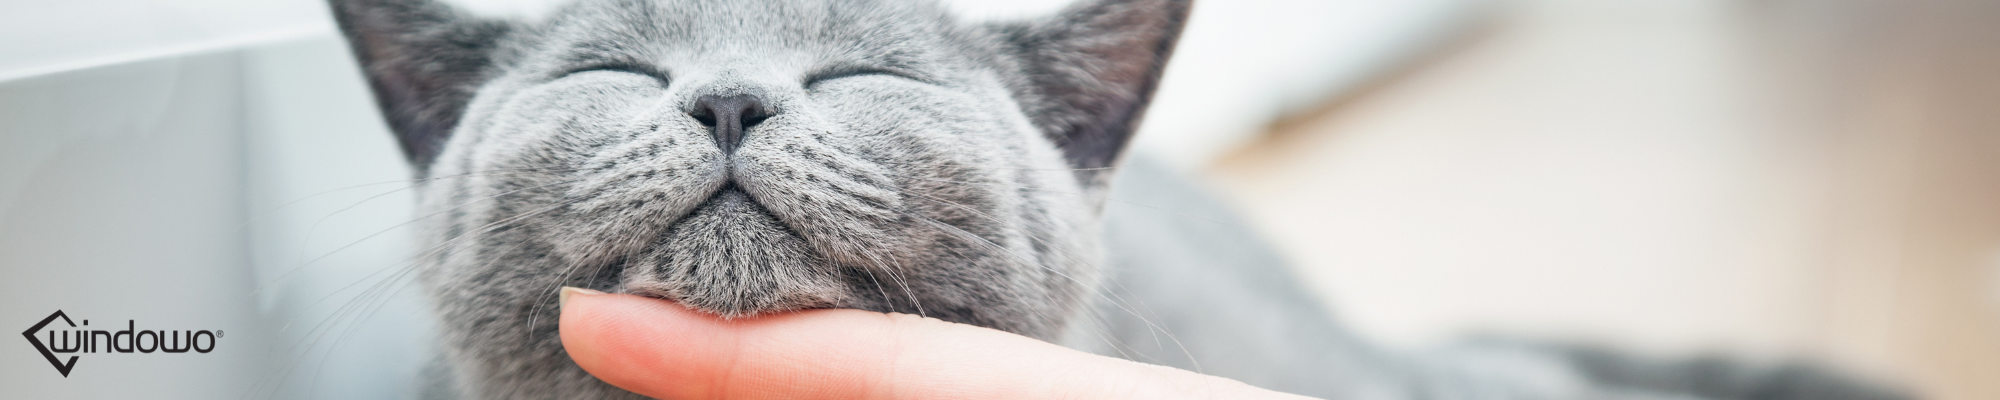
562	297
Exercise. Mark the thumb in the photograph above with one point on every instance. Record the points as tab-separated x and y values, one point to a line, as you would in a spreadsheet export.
661	349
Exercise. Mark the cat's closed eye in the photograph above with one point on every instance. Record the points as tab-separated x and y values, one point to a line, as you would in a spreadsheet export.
619	68
844	72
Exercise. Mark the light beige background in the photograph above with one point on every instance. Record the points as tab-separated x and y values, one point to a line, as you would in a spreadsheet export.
1764	177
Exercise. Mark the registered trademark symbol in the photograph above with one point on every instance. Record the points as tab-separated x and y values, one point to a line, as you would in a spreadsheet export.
218	333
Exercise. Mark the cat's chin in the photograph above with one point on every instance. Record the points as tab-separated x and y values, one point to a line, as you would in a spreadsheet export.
731	257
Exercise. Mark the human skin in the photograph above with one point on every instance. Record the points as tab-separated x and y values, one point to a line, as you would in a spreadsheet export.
664	350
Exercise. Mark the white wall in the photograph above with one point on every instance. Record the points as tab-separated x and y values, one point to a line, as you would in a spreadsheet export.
121	197
252	191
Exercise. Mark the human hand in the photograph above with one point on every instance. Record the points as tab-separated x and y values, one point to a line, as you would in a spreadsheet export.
658	348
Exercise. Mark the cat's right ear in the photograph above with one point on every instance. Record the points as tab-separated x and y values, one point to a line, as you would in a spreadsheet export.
424	60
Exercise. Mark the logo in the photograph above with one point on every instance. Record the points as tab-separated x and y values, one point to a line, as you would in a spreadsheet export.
52	341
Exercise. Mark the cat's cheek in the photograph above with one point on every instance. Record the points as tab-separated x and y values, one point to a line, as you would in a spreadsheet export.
624	197
847	208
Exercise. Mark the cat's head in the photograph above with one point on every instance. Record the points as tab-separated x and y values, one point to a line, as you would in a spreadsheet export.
750	156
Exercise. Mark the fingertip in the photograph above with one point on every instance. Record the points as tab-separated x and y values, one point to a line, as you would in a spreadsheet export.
643	345
581	321
580	325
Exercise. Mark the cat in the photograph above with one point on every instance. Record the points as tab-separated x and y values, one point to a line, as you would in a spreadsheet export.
747	157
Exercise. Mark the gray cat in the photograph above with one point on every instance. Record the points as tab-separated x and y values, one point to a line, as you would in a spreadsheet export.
744	157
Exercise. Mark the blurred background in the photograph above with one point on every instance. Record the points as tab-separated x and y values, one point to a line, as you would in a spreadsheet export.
1769	178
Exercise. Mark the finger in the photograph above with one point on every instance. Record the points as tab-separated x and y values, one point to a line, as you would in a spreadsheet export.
658	348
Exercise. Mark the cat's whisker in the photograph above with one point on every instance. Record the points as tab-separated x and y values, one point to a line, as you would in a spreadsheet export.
1113	300
1121	302
1115	285
900	281
407	183
549	293
1109	198
877	280
413	184
407	268
594	272
341	314
442	246
1098	326
455	207
535	309
1031	236
379	300
1095	321
322	328
1001	168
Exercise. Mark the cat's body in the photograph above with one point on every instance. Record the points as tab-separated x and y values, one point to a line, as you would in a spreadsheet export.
1190	285
755	156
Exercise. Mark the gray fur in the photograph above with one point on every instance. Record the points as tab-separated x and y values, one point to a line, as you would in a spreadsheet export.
910	163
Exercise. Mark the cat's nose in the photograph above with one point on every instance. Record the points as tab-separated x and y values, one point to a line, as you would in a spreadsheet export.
727	117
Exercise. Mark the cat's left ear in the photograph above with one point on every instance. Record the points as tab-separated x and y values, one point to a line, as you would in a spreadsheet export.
1086	75
424	60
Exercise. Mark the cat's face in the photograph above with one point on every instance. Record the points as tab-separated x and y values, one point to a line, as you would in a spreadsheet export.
744	157
751	159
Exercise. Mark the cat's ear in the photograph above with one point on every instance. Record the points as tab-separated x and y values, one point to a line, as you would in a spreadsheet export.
1086	74
424	60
